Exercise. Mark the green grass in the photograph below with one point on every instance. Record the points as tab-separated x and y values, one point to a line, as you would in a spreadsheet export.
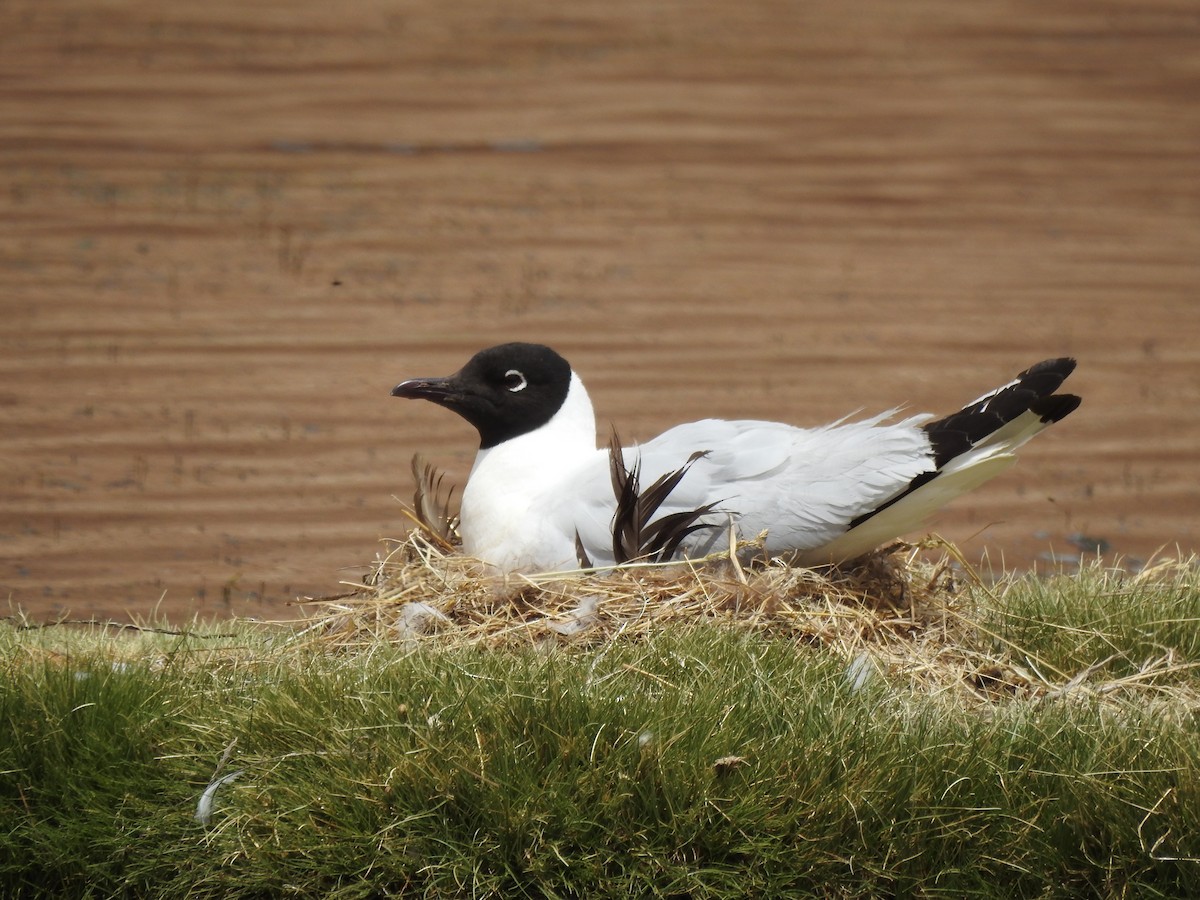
429	770
1072	621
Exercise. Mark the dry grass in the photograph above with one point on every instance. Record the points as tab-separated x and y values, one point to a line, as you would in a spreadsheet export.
915	613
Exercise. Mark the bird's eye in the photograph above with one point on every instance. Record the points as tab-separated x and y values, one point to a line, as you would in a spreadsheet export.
514	380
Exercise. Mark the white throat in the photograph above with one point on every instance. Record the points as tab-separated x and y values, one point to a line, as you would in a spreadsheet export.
509	480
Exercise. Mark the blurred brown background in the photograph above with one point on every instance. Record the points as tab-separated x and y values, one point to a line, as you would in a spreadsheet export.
227	229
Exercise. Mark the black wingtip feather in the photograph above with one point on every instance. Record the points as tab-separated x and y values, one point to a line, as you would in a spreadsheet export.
1032	390
1055	408
1062	366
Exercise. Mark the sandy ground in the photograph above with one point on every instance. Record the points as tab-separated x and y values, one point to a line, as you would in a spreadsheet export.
227	229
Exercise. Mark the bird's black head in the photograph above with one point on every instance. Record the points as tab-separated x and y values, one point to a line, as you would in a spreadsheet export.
504	391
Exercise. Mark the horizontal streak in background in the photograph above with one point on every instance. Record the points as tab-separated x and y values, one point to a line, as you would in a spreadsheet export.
227	231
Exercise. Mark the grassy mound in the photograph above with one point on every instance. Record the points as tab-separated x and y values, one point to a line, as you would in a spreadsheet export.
686	732
896	613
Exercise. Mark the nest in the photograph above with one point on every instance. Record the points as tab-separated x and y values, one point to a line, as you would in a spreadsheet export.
909	611
896	611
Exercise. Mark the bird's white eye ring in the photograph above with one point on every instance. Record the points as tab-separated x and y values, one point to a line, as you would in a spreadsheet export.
514	381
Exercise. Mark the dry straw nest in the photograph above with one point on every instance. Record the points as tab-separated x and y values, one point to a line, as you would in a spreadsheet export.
899	611
915	612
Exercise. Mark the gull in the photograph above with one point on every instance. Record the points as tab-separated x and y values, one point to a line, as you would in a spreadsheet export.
542	497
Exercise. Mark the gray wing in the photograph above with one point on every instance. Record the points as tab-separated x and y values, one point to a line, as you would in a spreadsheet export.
803	487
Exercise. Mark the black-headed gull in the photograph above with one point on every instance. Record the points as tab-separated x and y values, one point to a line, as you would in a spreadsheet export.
540	495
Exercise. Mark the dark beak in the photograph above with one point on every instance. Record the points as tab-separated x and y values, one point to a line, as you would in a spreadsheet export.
439	390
